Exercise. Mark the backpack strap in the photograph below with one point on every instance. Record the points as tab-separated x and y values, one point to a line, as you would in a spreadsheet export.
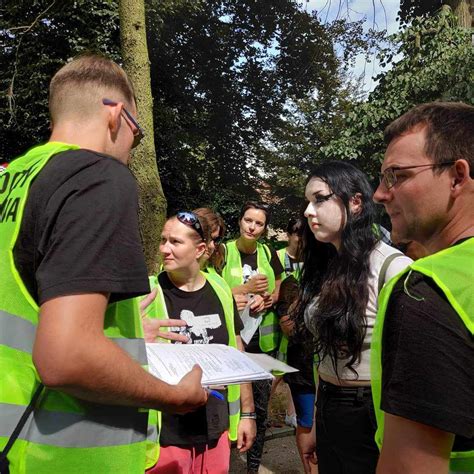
384	268
4	463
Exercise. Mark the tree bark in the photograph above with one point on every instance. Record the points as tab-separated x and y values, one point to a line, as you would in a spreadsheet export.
152	202
463	11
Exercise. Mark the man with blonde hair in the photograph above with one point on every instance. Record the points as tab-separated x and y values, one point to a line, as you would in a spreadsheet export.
71	342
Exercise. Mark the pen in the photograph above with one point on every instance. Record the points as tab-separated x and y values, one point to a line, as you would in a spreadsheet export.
217	395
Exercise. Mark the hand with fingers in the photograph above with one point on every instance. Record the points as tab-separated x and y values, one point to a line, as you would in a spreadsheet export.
152	326
246	434
287	325
268	300
241	301
257	284
257	305
188	394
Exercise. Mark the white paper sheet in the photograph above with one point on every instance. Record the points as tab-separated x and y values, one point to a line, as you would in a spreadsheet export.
270	364
251	324
221	364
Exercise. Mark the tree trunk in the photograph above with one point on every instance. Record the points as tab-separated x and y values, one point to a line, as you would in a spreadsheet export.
152	201
463	11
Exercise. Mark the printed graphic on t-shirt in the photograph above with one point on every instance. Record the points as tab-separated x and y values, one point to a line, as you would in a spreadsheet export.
197	327
248	272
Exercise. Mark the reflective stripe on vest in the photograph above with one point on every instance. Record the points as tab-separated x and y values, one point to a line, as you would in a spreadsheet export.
269	330
63	431
72	430
19	334
284	259
157	309
454	276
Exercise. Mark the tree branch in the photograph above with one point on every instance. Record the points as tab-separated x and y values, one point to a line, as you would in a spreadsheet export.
10	93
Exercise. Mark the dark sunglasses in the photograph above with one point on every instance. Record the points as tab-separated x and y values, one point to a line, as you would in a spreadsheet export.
190	219
217	240
137	131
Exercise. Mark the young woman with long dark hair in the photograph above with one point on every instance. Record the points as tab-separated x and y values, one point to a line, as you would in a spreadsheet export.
344	265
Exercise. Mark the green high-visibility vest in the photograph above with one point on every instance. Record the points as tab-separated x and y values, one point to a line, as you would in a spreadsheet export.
283	348
454	275
64	434
269	330
157	309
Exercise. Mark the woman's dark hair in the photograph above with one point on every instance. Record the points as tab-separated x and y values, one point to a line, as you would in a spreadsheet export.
295	225
215	222
255	205
339	278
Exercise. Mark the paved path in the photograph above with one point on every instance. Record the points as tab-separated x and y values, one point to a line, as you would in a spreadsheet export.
279	457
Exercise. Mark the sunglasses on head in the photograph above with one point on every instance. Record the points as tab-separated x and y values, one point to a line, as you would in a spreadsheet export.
190	219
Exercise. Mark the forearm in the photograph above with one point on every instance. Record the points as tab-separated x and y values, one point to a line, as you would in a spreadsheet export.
72	354
240	290
107	374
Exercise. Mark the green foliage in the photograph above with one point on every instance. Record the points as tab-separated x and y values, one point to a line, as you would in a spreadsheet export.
245	93
37	38
223	72
437	63
410	9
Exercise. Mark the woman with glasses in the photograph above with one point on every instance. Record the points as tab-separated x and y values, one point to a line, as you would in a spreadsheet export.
344	266
215	251
253	271
200	441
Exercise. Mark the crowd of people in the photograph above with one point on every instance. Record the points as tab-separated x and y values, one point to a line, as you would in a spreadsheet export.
382	334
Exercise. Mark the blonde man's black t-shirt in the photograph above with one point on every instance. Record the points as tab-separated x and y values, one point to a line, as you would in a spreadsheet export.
79	232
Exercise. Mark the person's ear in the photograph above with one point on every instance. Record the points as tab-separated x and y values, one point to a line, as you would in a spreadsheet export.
355	203
201	250
115	117
460	176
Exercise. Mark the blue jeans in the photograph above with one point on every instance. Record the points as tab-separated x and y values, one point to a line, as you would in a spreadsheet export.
345	429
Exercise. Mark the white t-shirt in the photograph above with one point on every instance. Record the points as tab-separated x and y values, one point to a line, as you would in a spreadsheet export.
377	258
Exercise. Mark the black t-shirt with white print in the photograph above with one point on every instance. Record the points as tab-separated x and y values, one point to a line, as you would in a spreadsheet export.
250	266
249	269
205	317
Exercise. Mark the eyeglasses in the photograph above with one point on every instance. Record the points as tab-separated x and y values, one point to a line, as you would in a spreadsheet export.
389	177
320	198
190	219
217	240
137	131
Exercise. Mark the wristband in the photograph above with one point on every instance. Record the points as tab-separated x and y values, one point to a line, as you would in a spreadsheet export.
252	415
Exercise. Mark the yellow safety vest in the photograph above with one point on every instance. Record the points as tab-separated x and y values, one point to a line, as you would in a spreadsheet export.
64	434
269	330
283	348
452	270
157	309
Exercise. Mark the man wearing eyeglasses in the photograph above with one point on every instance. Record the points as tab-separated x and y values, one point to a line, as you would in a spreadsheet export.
70	262
423	342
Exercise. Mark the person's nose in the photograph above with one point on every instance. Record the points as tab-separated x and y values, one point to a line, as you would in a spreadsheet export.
310	210
164	248
382	194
